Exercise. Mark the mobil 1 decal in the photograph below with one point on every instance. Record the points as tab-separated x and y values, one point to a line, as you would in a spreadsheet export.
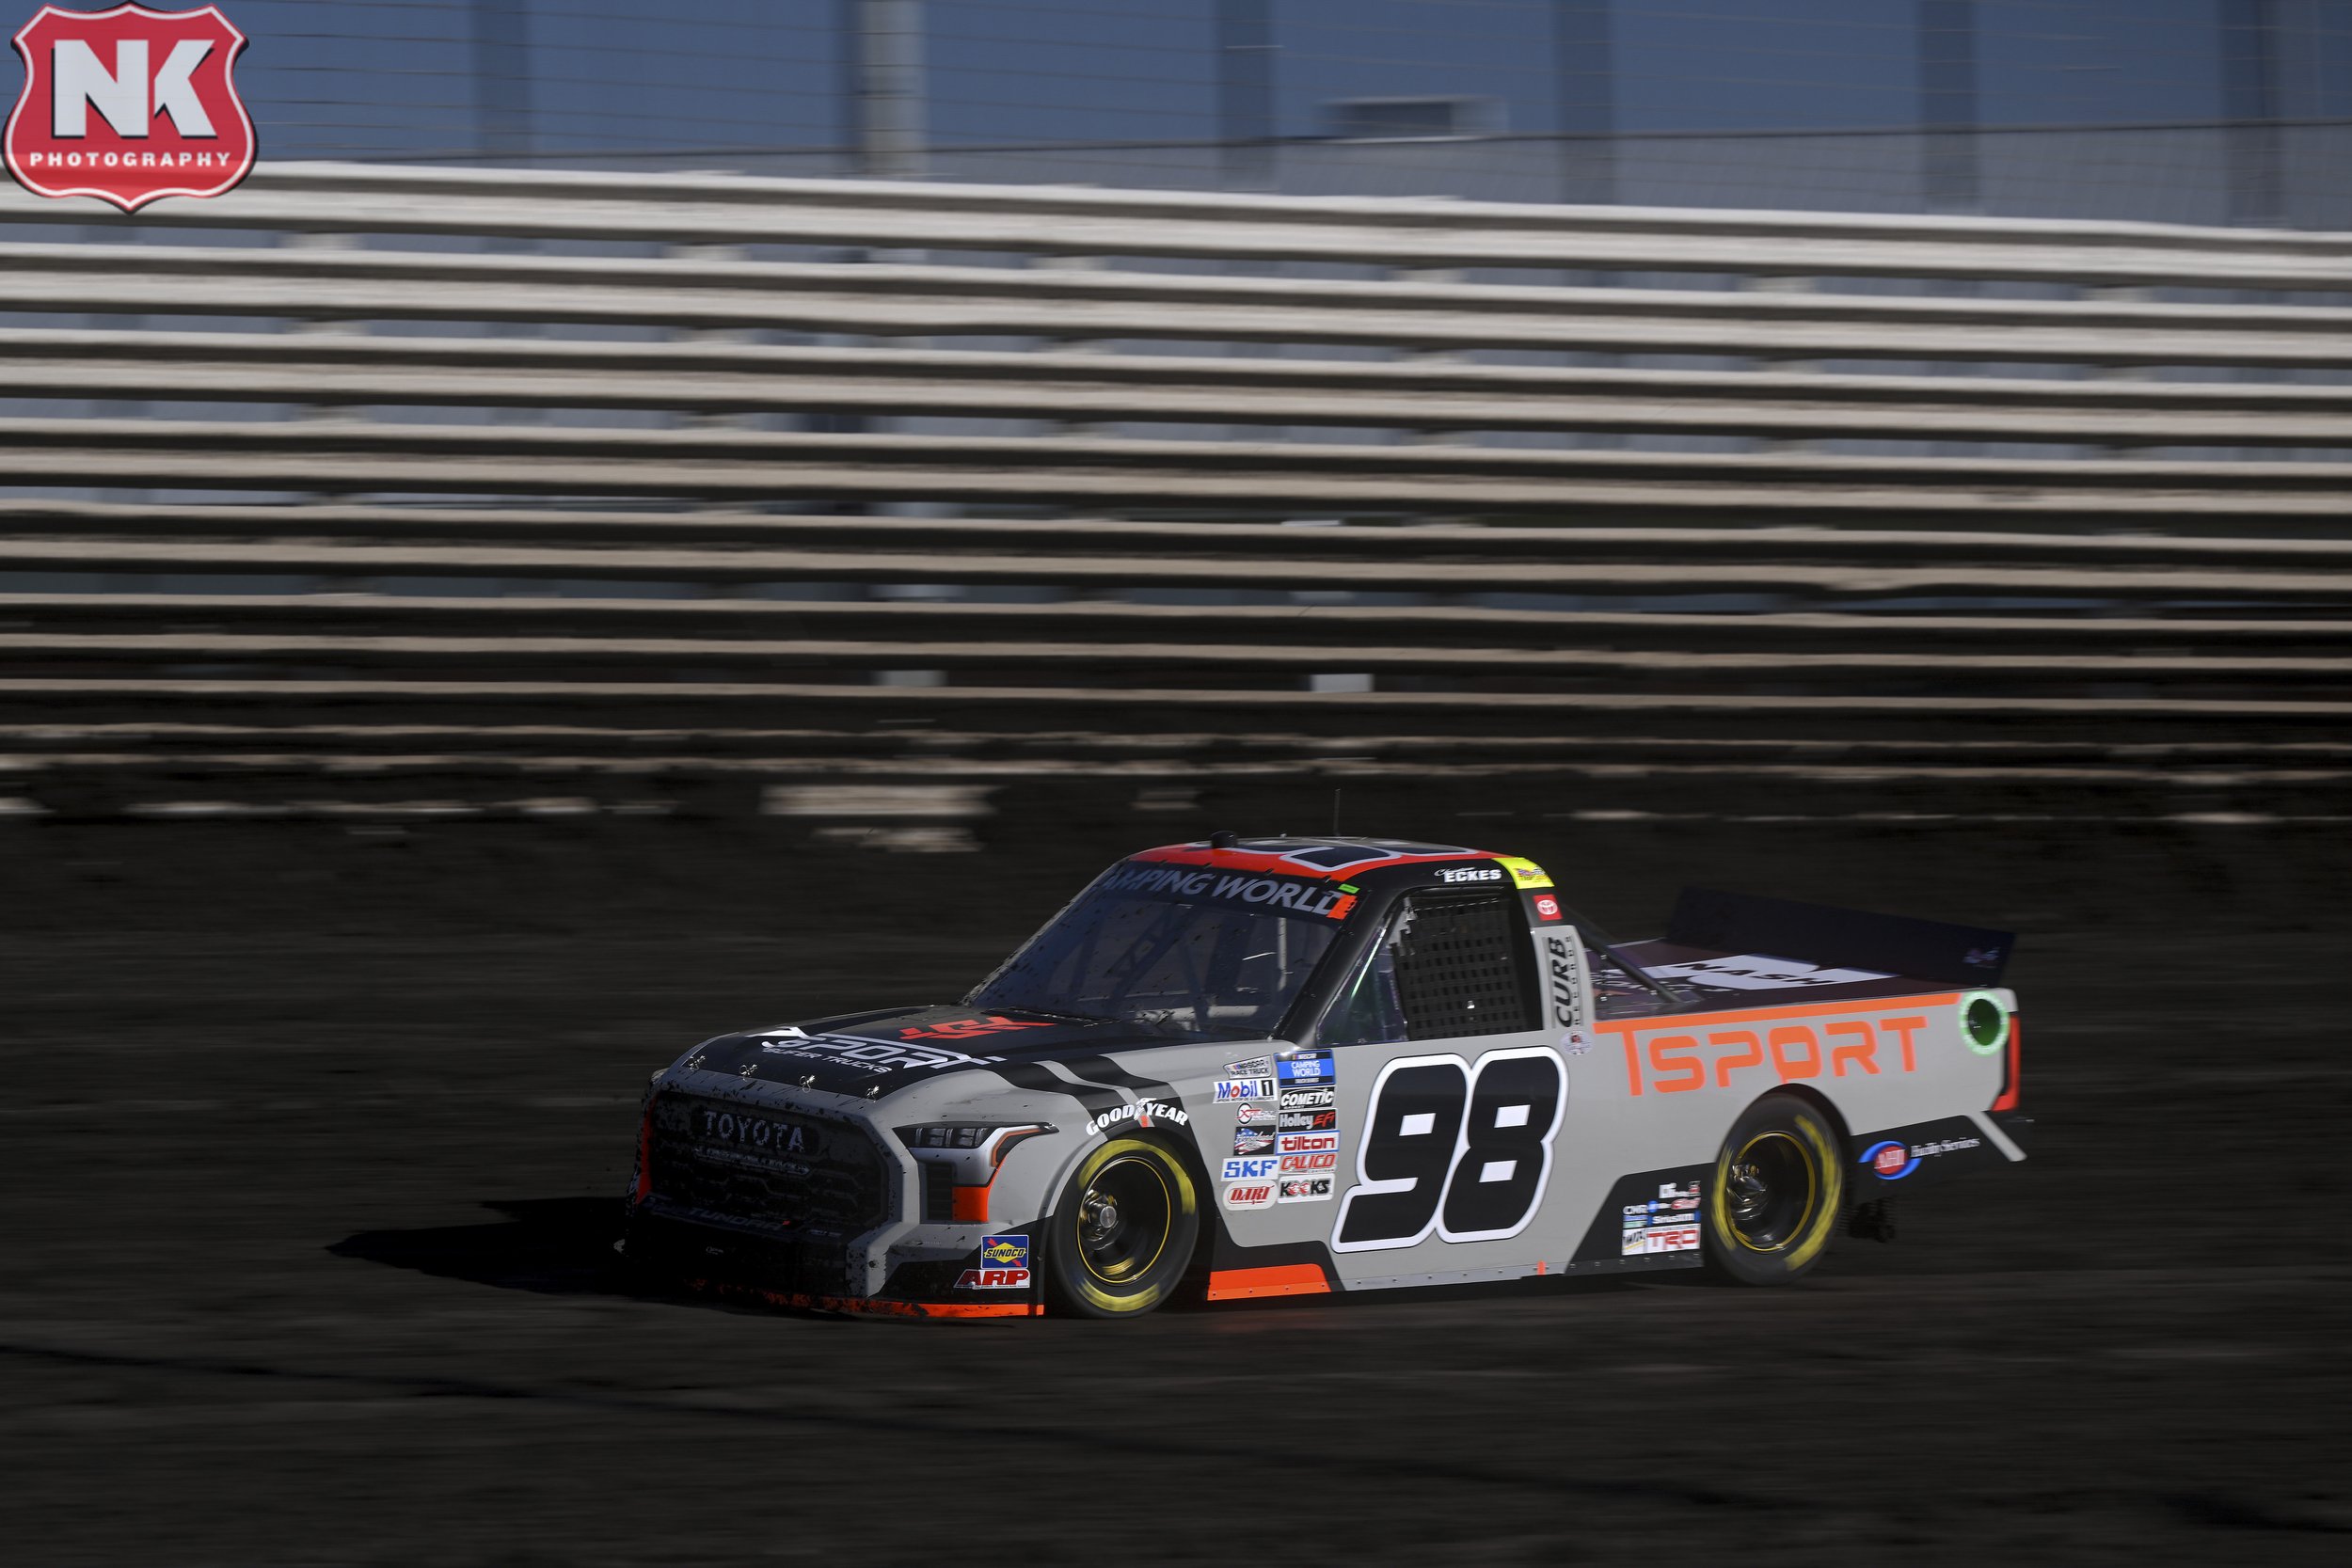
1459	1149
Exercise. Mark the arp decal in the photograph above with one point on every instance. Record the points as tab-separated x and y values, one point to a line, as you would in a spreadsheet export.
1677	1057
1005	1265
1459	1151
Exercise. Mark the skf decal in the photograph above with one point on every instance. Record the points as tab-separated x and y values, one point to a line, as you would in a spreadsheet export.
1005	1265
1143	1113
1248	1170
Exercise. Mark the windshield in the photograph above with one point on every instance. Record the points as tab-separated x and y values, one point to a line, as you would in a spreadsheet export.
1175	950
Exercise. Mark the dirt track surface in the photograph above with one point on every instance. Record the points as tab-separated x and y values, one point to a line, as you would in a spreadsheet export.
313	1136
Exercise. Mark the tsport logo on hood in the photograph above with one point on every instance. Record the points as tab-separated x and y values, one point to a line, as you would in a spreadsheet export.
851	1050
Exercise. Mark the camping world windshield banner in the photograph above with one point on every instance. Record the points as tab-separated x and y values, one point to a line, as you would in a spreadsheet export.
129	105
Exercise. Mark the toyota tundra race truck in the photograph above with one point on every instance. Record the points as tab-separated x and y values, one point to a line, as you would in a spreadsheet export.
1263	1067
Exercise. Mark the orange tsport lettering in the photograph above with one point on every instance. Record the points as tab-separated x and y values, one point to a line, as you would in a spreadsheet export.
1903	1028
1691	1075
1806	1066
1632	1066
1752	1056
1865	1051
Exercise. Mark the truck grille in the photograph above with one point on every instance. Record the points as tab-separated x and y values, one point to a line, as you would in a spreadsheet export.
767	1170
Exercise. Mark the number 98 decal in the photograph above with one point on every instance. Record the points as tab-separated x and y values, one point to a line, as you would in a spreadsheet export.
1462	1150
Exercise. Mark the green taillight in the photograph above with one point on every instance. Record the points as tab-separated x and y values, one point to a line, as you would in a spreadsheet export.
1983	1022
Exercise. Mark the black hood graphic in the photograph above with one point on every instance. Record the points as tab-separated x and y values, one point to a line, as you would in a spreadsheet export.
873	1054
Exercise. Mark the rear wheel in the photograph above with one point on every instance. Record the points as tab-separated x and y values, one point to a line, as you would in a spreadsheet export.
1123	1233
1777	1188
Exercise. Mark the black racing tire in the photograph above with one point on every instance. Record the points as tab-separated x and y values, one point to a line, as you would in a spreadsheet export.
1774	1198
1122	1236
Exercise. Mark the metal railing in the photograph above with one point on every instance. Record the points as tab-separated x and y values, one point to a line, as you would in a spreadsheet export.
518	467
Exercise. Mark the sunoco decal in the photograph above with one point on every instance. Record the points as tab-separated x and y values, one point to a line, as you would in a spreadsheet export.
1005	1265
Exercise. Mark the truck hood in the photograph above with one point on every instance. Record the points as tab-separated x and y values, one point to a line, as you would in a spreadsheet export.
878	1054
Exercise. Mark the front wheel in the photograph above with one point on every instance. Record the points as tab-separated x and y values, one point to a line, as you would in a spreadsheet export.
1123	1233
1777	1188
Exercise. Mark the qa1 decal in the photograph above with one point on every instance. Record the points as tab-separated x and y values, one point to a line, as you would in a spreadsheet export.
1461	1151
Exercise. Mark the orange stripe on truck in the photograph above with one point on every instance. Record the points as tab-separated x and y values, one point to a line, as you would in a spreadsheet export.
1281	1279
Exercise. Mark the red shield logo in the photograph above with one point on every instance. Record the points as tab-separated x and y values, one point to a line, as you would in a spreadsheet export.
129	105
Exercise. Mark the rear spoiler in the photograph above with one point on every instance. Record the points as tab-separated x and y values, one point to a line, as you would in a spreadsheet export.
1824	934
